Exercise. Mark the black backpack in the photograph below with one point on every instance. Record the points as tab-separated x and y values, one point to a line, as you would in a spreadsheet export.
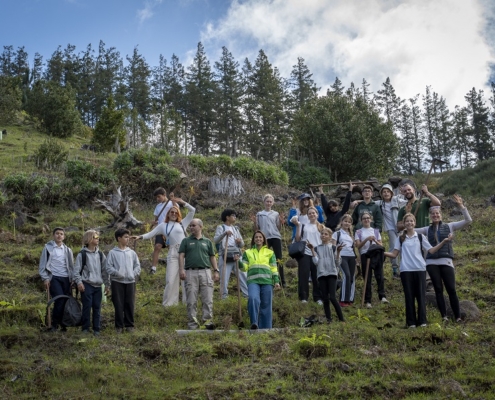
72	310
83	261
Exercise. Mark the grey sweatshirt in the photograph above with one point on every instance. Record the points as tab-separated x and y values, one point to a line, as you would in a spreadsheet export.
123	265
44	267
93	273
326	260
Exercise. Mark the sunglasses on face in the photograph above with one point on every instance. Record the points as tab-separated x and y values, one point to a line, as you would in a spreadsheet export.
365	218
96	237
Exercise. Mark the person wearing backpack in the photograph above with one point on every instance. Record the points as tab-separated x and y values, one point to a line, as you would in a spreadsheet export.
56	271
364	238
412	246
173	230
345	236
439	265
228	232
89	275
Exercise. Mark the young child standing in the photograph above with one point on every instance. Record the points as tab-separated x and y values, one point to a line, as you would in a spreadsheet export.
345	236
161	210
327	262
56	269
123	266
89	276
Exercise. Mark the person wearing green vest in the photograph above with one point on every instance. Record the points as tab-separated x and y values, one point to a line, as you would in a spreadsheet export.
262	275
196	262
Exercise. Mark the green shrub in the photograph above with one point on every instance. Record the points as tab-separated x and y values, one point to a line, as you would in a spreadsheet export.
302	175
32	190
50	154
141	171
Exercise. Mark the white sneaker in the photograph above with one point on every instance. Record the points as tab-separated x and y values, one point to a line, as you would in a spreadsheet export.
319	302
412	326
304	301
384	300
368	305
423	325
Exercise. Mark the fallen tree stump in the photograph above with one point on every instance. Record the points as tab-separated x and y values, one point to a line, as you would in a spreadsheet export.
118	207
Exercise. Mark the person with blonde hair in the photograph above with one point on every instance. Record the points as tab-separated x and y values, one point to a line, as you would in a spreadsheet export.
310	233
327	259
173	231
300	207
89	275
345	236
268	222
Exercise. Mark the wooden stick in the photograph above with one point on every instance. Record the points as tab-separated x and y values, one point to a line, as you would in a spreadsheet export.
224	266
241	322
48	313
365	281
342	183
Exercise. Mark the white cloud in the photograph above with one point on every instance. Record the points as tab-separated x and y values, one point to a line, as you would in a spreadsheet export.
148	10
416	43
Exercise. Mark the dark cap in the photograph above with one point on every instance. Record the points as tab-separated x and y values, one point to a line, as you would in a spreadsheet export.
304	196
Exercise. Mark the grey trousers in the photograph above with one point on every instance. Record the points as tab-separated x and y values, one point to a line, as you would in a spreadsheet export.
199	282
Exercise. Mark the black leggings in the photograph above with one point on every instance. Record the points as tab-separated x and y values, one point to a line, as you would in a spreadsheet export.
441	275
306	267
276	245
328	288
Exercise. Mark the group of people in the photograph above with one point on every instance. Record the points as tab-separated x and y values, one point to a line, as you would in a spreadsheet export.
332	249
356	240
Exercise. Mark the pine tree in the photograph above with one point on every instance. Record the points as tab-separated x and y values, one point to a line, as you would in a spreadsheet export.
388	103
228	118
7	61
109	131
55	67
302	85
482	143
137	75
461	132
200	94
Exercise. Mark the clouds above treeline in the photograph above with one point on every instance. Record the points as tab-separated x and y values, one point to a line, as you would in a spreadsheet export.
443	43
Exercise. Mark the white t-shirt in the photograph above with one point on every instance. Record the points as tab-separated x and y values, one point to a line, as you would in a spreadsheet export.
348	249
58	262
411	253
363	233
159	208
312	235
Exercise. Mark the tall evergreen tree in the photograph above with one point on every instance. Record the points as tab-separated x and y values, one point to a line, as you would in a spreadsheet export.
461	133
388	102
200	95
55	67
109	130
228	118
302	84
482	143
138	97
37	70
7	61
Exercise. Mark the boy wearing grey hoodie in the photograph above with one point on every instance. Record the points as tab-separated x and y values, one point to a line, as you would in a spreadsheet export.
90	275
122	265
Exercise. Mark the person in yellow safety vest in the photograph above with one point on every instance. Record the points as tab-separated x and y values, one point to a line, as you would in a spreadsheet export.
262	276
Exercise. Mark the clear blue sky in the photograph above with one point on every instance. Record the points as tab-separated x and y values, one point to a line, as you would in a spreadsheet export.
156	27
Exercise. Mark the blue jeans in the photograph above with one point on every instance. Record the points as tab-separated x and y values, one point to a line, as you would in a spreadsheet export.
91	299
260	305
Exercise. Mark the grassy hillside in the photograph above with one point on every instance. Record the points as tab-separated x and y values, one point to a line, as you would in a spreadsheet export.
371	356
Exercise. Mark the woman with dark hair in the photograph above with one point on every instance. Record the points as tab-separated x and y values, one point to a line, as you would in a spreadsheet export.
331	208
262	276
439	265
232	245
173	231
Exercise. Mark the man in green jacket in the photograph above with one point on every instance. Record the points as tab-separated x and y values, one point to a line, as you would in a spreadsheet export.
367	205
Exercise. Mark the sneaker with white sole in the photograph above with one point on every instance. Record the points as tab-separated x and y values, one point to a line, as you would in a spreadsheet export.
368	305
423	325
304	301
412	326
152	270
319	302
384	300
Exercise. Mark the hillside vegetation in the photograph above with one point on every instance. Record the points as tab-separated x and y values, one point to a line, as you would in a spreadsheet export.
371	356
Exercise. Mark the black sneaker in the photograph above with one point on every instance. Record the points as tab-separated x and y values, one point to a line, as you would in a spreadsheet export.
152	270
254	327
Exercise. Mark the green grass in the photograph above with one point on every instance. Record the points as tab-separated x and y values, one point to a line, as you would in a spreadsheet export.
371	356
